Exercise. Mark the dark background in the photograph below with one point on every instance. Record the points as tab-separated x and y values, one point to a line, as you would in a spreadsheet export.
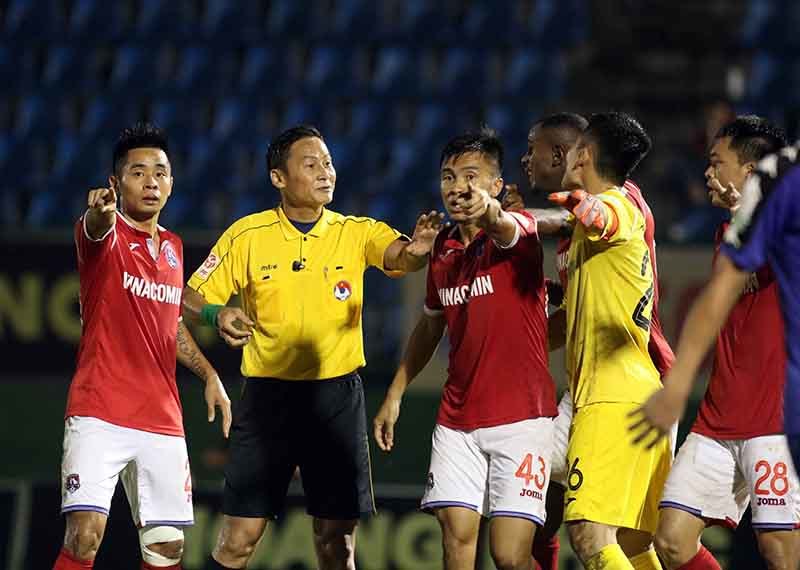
388	82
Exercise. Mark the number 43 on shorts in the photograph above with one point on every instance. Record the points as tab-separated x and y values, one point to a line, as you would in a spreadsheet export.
525	471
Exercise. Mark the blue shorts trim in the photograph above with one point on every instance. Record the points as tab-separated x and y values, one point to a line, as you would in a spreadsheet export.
93	508
774	526
517	515
673	505
438	504
170	523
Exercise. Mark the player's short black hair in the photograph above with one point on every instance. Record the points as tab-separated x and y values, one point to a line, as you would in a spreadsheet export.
485	141
564	120
278	150
140	135
753	137
621	143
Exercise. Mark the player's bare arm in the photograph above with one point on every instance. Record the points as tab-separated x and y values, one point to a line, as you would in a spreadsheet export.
102	212
549	221
557	329
232	323
708	314
191	357
554	222
421	346
410	256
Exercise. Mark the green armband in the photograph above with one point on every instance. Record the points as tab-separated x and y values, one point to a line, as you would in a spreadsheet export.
209	314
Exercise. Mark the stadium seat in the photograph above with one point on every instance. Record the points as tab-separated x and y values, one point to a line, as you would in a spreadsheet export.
228	118
23	17
195	69
129	60
327	72
63	65
393	71
33	119
261	65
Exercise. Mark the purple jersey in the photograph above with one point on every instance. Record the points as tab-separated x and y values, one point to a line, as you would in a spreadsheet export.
766	229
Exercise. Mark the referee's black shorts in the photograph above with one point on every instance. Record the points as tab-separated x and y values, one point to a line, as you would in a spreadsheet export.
317	425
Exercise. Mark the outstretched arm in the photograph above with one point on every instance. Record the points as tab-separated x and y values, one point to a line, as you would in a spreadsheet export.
232	323
410	256
555	222
421	346
191	357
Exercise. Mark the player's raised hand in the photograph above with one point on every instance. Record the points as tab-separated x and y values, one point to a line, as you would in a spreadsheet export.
216	395
588	210
425	232
728	196
512	199
103	200
234	326
474	205
385	421
655	418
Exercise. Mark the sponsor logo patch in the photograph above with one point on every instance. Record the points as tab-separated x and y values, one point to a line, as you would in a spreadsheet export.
72	483
208	266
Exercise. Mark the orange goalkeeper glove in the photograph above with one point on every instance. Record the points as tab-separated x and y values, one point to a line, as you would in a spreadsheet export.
588	210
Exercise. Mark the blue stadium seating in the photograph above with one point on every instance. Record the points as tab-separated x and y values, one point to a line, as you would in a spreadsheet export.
388	82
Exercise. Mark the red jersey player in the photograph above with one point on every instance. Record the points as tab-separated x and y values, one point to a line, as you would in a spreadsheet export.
123	414
736	453
544	162
494	430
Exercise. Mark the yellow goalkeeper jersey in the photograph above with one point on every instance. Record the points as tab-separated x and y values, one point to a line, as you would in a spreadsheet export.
609	301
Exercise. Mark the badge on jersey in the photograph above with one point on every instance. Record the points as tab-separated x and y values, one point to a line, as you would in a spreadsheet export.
208	266
72	483
342	290
171	256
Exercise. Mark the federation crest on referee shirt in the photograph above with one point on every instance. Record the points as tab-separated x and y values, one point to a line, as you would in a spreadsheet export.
342	290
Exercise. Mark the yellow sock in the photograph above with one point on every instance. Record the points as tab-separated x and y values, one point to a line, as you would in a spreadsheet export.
610	557
646	561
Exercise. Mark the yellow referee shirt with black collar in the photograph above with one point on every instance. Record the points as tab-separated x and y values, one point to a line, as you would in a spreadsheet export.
308	320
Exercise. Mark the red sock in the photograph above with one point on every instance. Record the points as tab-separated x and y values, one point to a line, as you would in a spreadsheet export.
67	561
545	551
146	566
703	560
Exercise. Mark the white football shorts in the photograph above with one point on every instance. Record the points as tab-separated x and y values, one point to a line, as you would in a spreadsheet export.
717	479
496	471
154	469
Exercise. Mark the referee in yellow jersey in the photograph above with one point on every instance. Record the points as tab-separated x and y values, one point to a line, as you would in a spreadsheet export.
298	269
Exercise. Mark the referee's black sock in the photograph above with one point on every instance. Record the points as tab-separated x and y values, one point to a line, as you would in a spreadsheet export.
212	564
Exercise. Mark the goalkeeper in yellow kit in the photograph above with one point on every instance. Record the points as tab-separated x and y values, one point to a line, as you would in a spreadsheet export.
612	484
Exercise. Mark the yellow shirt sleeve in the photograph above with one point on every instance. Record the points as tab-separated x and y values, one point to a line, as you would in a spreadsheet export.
379	236
219	277
628	218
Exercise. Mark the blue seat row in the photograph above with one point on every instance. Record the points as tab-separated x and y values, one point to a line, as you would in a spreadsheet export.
544	21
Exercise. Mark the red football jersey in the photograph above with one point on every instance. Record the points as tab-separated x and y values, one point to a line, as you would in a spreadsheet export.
130	307
744	398
494	303
660	351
